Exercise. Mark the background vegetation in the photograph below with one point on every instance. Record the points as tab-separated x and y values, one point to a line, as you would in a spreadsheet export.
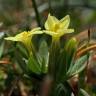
19	15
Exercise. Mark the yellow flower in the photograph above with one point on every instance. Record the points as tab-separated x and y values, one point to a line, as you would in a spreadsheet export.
25	37
57	28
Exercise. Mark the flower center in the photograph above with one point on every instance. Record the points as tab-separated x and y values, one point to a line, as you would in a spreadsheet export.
25	34
56	27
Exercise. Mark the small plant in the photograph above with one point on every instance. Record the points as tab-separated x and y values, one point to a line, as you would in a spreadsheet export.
49	67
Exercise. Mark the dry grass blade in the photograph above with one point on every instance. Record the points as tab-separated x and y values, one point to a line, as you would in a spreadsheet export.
22	89
80	53
5	61
87	37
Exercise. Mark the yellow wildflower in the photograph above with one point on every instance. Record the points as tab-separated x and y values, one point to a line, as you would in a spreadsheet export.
57	28
25	37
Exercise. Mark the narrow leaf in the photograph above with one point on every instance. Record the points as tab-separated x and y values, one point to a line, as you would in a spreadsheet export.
78	66
22	50
33	65
1	49
83	93
43	52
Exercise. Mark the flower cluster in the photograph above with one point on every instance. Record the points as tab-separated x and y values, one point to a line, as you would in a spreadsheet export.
54	27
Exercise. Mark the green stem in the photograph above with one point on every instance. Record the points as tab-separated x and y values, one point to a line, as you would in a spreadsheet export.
37	13
50	7
55	39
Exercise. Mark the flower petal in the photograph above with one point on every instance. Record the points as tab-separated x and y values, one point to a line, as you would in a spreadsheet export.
61	32
18	37
36	29
11	38
64	22
68	30
50	22
35	32
50	33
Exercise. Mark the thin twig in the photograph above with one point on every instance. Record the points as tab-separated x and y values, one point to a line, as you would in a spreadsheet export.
50	7
9	93
88	55
36	13
22	89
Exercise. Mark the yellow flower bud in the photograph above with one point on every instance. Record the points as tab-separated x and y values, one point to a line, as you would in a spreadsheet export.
25	37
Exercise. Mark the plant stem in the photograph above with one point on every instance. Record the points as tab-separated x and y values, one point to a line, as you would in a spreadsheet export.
36	13
50	7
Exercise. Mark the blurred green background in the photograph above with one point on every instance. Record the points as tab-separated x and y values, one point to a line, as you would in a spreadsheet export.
20	14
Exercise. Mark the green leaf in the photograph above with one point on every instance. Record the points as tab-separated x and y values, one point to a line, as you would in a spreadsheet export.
62	89
2	75
54	59
22	50
78	66
33	65
43	53
70	49
44	66
1	49
21	64
65	58
83	93
43	56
